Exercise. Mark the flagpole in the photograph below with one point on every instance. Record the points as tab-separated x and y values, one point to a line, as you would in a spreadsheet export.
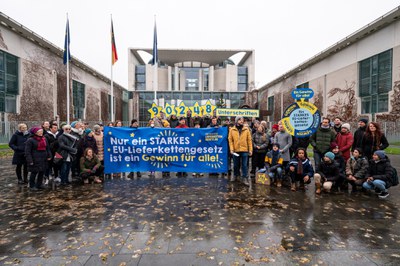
155	62
112	83
68	100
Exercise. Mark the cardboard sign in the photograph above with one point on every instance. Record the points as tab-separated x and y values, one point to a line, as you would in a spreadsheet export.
263	178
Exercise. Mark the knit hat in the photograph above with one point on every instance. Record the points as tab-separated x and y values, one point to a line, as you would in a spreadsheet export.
346	125
73	124
334	145
275	126
35	129
62	124
237	118
96	127
363	120
330	155
87	131
381	154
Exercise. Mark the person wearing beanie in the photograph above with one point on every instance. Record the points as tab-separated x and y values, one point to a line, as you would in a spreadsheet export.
241	147
327	174
274	164
37	153
359	134
321	141
345	140
356	169
380	174
89	141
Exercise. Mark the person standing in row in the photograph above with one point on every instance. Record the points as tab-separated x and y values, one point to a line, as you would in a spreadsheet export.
373	140
321	141
37	154
17	144
241	147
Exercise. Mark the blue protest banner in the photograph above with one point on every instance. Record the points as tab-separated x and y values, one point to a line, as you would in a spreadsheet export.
198	150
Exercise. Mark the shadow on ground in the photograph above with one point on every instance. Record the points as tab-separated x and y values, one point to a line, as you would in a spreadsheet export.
193	221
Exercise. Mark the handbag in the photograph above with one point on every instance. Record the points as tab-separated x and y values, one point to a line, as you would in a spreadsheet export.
57	158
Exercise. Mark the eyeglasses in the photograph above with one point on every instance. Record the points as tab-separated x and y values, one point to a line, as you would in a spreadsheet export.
68	129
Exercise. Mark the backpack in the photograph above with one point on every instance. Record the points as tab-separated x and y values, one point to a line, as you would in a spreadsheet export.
395	177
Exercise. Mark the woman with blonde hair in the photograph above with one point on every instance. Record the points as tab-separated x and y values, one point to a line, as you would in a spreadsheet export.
17	144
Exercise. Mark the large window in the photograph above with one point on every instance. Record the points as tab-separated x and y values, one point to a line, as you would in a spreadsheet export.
242	78
140	77
271	104
78	99
8	82
375	82
304	85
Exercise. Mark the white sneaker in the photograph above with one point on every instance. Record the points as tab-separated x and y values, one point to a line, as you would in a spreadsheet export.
57	180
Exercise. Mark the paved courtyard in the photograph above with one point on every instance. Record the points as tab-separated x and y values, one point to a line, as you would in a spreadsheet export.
194	221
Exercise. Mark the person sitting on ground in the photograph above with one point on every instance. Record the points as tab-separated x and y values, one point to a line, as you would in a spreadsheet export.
300	170
380	173
327	174
91	168
273	164
356	169
340	160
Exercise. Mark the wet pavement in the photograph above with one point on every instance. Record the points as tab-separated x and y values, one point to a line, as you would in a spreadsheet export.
194	221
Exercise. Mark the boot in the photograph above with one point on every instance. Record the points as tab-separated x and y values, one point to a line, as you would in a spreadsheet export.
318	188
301	187
278	183
293	187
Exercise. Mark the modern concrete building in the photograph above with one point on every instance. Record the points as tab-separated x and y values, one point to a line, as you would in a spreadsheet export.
33	81
190	76
357	76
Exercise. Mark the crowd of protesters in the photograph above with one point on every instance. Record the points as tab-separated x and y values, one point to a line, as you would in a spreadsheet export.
64	153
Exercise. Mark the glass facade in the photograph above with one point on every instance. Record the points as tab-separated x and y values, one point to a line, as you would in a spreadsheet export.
375	81
8	82
242	78
236	99
140	77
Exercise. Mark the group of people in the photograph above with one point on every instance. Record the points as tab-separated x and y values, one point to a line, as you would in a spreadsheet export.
51	152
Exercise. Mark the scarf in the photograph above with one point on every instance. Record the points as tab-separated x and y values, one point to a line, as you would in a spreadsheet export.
299	166
239	127
275	155
41	143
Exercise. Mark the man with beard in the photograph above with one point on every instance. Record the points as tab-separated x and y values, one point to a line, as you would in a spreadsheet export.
321	141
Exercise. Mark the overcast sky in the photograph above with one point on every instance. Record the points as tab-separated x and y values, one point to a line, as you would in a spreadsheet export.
283	33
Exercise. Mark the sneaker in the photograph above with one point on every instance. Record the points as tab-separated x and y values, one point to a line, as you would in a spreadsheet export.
383	195
194	174
246	181
57	180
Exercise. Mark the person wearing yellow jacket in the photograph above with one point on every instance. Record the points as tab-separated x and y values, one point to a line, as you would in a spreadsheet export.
241	147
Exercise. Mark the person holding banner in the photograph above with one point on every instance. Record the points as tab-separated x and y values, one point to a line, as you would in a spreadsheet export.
241	147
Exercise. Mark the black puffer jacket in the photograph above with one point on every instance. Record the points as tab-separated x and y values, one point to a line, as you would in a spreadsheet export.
381	170
329	171
36	160
17	144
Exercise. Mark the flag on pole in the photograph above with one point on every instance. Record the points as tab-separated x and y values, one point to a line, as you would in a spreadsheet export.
113	47
155	51
67	53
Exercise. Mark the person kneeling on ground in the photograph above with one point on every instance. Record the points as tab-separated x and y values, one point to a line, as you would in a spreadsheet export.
356	169
300	170
273	164
327	174
91	167
380	174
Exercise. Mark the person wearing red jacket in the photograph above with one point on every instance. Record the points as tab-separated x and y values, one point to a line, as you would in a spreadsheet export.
344	140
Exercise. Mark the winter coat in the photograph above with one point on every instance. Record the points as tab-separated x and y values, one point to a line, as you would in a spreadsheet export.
358	138
268	160
369	145
381	170
307	166
329	171
357	167
89	142
240	142
53	142
37	160
344	141
17	144
321	139
304	142
284	140
173	122
68	146
87	165
341	162
100	145
260	140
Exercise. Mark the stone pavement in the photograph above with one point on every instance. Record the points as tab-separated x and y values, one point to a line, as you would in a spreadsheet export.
194	221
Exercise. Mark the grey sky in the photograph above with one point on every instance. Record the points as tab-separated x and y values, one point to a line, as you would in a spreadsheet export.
282	33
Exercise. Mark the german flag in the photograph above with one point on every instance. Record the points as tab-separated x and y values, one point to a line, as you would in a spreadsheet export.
114	56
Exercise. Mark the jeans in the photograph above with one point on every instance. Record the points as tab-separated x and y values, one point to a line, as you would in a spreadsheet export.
277	173
241	159
379	184
65	168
